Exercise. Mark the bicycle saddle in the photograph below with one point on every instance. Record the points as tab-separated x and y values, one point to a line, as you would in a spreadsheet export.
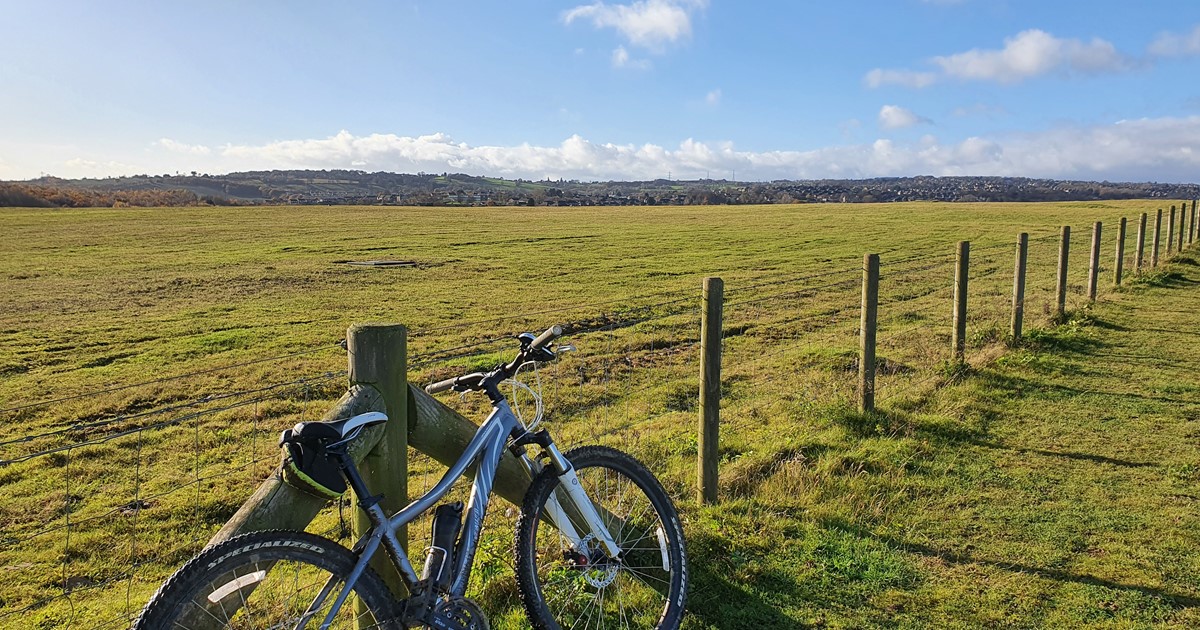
337	430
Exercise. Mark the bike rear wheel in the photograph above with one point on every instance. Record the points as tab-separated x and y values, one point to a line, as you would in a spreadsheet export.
644	588
268	579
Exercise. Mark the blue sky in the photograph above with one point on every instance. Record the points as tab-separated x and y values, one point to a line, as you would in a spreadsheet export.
605	90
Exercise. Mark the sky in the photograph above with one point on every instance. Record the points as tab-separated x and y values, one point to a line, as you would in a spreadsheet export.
629	89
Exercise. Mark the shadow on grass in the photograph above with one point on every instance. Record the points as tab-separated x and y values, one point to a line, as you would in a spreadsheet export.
953	557
719	601
871	423
1107	325
1018	386
1088	457
1062	338
1165	279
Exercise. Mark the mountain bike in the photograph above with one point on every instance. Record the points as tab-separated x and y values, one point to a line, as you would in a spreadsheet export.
598	542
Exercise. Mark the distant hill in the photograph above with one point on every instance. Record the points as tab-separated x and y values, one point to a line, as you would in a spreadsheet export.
311	187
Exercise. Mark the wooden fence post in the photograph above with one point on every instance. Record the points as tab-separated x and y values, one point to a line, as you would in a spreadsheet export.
961	268
1018	298
1064	250
710	390
1119	263
378	359
1179	242
867	330
1154	238
1194	225
1141	245
1094	262
1191	223
1171	230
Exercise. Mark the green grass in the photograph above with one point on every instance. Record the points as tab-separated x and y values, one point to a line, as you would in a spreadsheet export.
1051	484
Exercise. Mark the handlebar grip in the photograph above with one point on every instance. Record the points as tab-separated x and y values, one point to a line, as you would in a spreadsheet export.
551	334
440	386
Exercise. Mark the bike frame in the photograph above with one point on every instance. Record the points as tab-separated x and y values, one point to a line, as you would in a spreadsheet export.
485	448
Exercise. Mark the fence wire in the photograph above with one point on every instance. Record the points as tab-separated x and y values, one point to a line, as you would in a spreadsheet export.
100	512
107	498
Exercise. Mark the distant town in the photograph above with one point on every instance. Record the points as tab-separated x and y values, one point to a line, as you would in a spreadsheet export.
348	187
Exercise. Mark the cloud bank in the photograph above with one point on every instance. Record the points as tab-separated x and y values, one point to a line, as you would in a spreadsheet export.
1162	149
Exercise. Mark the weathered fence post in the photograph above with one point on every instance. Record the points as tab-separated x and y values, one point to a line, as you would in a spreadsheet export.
1182	212
1154	238
1064	250
1194	224
1094	262
1171	230
1018	299
710	389
867	330
1191	223
378	359
1119	263
1141	244
961	267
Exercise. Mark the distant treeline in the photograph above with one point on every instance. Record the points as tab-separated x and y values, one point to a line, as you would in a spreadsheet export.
345	187
35	196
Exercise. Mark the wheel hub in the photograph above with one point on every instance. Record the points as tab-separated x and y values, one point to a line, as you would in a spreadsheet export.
599	571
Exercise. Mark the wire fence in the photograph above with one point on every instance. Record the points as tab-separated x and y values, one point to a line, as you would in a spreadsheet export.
110	490
101	508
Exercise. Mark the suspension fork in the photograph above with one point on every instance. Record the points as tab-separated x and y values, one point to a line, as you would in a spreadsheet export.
556	512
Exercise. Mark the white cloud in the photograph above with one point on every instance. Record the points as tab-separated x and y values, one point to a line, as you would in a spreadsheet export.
713	98
179	147
647	23
896	117
1159	149
621	59
1147	149
1029	54
1033	53
1172	45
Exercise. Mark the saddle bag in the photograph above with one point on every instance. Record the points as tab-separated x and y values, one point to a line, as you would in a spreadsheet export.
307	466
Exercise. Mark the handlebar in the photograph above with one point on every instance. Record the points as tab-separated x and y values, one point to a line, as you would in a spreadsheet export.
479	380
551	334
442	386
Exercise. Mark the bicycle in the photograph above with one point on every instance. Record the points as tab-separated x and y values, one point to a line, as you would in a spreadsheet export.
598	539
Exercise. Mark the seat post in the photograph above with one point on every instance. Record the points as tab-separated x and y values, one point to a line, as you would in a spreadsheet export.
355	481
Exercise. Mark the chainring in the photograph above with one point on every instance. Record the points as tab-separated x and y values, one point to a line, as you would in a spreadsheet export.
459	613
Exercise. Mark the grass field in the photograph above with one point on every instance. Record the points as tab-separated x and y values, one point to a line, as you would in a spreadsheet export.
1049	485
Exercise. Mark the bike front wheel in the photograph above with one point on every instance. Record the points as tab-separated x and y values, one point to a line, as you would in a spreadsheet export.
564	586
268	579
